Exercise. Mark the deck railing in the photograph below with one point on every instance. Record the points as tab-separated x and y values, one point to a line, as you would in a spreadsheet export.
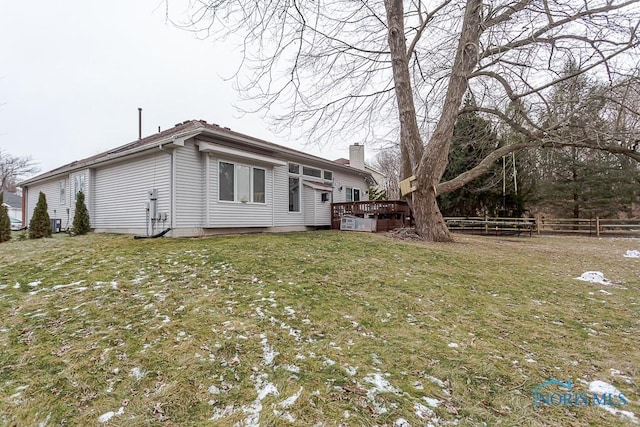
389	214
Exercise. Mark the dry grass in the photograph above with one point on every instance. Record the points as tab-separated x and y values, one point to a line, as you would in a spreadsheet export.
182	330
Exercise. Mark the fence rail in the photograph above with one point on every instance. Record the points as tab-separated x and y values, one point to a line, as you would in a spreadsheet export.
541	225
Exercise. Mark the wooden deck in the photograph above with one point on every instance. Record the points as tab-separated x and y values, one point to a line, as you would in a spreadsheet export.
389	214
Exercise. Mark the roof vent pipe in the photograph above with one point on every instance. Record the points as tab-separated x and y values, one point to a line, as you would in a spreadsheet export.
139	123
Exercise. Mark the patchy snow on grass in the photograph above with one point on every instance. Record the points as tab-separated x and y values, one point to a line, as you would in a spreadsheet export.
434	403
213	390
425	413
617	373
254	409
268	353
350	370
289	401
108	415
222	413
453	345
601	387
137	373
632	254
401	422
291	368
380	385
594	277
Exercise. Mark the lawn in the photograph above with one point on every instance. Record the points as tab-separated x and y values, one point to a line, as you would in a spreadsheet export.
319	328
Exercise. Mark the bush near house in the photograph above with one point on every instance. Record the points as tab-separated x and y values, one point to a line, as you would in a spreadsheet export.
40	224
81	222
5	223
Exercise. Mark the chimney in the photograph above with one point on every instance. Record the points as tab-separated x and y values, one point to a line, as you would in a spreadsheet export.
356	156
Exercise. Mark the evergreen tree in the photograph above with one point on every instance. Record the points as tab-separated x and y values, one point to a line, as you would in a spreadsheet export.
576	181
81	221
473	139
40	224
5	223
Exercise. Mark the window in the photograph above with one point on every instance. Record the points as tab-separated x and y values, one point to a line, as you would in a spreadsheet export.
353	194
227	180
294	194
311	172
78	186
258	186
328	176
294	168
241	183
244	183
63	192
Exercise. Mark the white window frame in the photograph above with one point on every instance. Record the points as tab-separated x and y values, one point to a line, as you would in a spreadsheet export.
298	177
78	186
350	191
324	175
308	169
62	188
236	167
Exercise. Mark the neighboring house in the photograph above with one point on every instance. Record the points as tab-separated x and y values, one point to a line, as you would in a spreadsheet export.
198	178
356	160
13	203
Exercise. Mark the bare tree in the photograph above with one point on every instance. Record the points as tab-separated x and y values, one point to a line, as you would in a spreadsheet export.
387	161
13	168
391	69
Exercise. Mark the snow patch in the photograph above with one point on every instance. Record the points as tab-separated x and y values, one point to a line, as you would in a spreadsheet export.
594	277
453	345
401	422
108	415
137	373
632	254
268	353
289	401
424	413
434	403
601	387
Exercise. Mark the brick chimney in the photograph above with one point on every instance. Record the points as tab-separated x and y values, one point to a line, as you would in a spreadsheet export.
356	156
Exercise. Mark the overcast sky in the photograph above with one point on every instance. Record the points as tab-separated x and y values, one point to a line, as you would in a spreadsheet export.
74	72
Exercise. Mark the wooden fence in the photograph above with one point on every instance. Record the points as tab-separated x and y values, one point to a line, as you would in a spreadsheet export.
541	225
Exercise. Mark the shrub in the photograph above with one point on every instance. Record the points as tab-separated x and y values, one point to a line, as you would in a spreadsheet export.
5	222
40	224
81	221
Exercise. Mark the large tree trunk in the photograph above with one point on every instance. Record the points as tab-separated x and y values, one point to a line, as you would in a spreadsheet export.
429	163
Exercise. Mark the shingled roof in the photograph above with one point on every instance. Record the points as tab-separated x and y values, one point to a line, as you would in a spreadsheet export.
12	199
184	129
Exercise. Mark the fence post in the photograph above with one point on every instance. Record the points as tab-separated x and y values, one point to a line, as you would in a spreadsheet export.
486	224
538	222
597	226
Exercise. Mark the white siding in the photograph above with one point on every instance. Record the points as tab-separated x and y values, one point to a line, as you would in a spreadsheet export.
316	212
189	187
284	218
344	180
121	192
237	214
71	195
51	190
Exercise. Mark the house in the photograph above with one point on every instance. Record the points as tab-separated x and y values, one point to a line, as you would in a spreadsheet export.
197	179
13	203
356	160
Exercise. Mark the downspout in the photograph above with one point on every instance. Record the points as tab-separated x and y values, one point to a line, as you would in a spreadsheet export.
25	194
171	185
207	188
273	196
